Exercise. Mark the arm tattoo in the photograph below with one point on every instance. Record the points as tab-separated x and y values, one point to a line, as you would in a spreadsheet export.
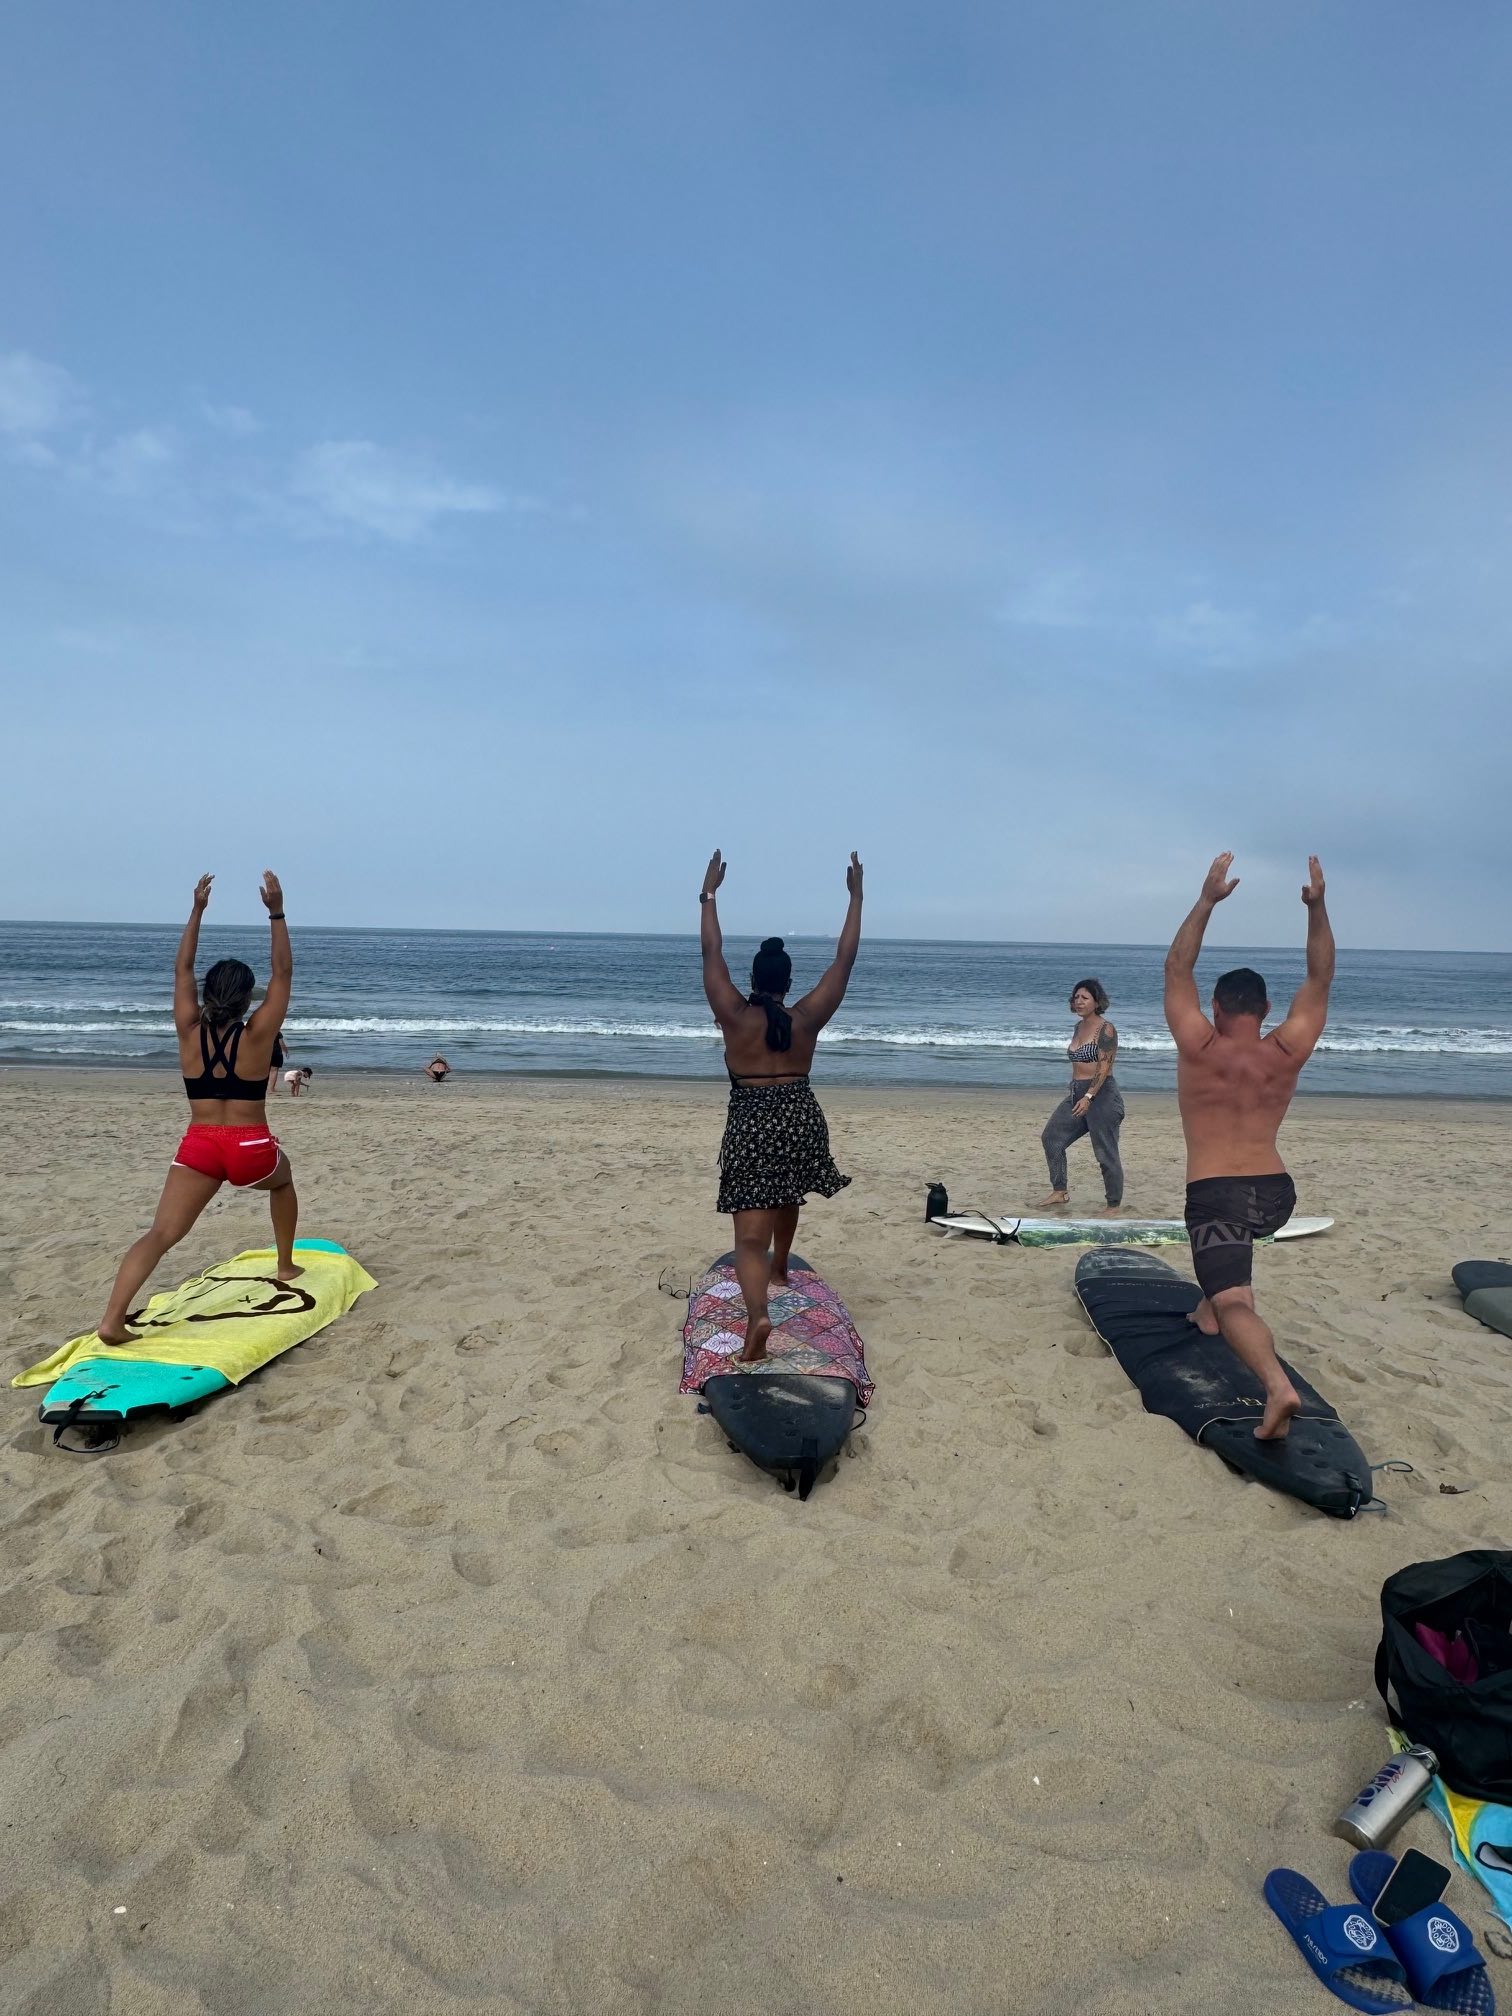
1107	1044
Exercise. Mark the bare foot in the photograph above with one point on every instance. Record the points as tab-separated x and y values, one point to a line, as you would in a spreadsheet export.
779	1280
289	1273
756	1339
1280	1408
1203	1319
109	1337
1054	1201
1111	1211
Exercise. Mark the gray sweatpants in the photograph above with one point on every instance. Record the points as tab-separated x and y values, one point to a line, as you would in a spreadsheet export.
1102	1121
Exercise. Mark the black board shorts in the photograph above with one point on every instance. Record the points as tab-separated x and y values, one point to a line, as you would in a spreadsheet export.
1225	1215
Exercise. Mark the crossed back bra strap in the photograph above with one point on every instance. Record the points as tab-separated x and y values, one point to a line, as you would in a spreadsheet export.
222	1054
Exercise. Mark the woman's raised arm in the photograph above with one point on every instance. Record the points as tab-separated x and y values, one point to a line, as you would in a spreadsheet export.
186	1001
275	1003
724	997
821	1001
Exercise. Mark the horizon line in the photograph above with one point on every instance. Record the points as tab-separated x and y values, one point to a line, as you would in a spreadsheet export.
876	938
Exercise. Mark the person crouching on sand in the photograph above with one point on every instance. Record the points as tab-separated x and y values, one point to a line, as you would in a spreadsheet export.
776	1143
226	1063
1234	1087
437	1069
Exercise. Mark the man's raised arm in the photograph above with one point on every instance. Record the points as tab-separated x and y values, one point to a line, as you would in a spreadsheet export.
1183	1011
1298	1035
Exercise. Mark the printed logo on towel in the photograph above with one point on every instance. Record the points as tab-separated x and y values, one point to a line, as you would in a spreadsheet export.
1360	1932
1443	1935
286	1298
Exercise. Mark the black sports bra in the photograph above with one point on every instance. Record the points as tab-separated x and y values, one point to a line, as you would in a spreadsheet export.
208	1086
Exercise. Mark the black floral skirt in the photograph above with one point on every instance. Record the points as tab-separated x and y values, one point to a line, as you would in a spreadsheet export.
776	1148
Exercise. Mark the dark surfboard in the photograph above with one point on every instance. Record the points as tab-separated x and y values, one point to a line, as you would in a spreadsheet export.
1139	1306
1486	1286
792	1425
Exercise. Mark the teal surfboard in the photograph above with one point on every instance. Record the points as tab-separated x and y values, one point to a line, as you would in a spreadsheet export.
106	1391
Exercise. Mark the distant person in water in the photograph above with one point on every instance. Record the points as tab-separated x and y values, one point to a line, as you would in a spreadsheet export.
226	1062
1093	1103
1234	1086
776	1146
437	1069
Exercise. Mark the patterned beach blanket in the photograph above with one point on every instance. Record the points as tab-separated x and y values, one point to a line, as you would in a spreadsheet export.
811	1331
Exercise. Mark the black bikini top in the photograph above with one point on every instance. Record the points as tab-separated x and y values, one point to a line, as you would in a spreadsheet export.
792	1078
208	1086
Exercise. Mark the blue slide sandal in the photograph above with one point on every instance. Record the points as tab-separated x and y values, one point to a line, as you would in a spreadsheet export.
1343	1948
1434	1946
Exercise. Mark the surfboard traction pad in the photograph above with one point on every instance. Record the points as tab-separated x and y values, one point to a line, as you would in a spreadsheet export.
793	1425
1138	1306
1486	1288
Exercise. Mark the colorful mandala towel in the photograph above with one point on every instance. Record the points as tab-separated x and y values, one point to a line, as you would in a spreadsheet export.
811	1331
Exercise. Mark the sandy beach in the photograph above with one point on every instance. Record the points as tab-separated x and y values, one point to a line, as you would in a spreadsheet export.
455	1663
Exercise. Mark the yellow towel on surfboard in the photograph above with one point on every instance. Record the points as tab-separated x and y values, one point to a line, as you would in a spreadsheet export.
234	1317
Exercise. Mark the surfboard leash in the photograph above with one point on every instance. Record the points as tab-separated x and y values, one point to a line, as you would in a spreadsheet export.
70	1420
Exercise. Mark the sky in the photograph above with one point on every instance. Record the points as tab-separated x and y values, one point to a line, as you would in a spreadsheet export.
477	459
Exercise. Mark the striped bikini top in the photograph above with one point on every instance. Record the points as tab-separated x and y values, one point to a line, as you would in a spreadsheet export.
1082	1053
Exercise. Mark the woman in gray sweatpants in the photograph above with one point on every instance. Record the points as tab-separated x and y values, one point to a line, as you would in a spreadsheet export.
1093	1103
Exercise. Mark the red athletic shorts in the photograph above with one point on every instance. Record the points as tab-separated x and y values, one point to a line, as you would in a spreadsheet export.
237	1155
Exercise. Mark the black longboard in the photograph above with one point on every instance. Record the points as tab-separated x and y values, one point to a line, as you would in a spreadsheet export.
1486	1286
1139	1308
789	1424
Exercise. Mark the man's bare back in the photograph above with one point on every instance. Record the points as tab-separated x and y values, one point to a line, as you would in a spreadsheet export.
1234	1095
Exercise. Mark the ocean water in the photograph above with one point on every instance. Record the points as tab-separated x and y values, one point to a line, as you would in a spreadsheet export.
917	1013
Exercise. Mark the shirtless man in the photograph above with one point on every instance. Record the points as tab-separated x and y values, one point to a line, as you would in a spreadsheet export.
1234	1086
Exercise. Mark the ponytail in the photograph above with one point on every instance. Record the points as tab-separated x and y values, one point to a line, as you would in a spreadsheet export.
771	977
227	993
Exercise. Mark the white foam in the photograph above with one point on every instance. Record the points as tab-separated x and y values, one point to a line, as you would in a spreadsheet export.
1345	1039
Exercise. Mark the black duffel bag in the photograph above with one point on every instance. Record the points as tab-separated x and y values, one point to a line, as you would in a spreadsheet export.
1466	1723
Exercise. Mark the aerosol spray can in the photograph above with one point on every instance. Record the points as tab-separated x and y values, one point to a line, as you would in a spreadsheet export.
1396	1790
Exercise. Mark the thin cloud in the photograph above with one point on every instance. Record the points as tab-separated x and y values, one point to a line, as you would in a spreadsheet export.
134	464
1226	639
358	486
35	397
236	421
1061	600
355	487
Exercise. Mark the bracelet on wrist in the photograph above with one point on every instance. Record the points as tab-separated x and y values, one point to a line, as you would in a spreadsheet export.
275	916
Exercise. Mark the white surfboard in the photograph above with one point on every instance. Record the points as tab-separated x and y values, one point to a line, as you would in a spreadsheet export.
1097	1231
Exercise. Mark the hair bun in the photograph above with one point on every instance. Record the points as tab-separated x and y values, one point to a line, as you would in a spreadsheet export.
772	945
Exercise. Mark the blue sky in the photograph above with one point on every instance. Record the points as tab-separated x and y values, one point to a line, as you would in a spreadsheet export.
479	458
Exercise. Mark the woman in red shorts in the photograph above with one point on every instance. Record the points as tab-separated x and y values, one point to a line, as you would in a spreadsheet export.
226	1061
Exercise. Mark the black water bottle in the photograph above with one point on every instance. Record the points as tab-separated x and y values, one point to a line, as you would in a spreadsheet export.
936	1204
